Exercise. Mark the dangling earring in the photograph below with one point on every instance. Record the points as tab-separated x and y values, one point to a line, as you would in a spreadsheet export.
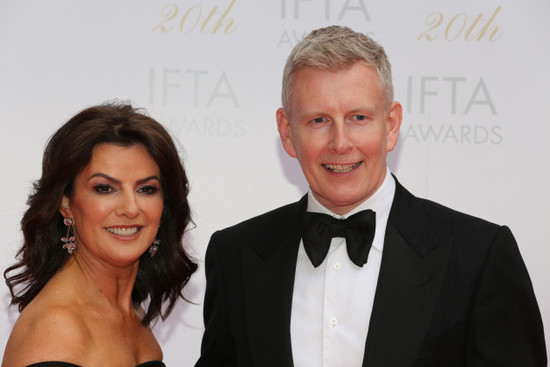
69	241
153	249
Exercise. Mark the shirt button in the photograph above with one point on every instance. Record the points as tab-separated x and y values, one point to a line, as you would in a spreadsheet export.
333	321
336	266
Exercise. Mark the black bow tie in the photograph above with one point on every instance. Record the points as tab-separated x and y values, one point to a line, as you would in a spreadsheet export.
358	229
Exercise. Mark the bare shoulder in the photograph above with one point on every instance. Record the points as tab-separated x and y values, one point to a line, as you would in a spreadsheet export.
44	332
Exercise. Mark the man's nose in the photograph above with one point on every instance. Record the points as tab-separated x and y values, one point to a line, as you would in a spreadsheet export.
340	138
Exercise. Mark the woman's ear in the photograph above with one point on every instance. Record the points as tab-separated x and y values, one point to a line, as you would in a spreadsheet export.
65	207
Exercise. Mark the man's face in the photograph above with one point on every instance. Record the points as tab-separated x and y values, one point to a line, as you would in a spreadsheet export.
337	126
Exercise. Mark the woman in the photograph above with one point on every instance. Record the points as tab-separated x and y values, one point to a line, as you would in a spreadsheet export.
102	234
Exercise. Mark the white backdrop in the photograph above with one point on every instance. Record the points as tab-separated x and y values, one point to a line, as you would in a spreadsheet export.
473	77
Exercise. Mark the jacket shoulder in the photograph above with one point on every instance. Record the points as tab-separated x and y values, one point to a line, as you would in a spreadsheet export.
421	220
267	226
452	220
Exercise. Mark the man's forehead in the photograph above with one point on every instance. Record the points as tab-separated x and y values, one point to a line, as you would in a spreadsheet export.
316	74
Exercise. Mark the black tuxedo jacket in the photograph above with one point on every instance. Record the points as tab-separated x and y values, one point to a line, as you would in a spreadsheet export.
452	291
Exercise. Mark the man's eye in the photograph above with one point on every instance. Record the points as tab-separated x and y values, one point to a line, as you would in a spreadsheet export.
103	188
319	120
360	117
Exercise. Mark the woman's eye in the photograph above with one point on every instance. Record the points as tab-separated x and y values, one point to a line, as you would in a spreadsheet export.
103	188
149	190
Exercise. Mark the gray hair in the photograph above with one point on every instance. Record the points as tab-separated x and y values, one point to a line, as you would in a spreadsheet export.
334	48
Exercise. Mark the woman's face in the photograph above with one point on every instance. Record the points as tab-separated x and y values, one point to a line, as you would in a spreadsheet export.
116	205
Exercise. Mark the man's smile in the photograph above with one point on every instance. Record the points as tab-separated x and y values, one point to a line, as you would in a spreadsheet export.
341	168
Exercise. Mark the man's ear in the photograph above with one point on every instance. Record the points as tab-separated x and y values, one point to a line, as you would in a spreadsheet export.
283	125
394	118
65	207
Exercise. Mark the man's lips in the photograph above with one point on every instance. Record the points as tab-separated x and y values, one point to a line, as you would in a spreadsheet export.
126	231
341	168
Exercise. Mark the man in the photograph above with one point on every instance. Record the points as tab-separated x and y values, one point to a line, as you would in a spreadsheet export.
435	288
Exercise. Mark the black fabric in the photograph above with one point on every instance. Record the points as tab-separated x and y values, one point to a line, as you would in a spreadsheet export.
358	230
452	291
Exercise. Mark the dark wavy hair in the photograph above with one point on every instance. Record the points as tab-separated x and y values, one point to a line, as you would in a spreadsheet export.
160	279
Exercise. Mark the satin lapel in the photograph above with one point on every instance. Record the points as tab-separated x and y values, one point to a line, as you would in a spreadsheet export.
413	267
269	269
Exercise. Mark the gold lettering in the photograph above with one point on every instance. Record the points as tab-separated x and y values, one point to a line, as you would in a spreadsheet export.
230	21
477	30
434	20
184	18
205	22
472	27
169	12
450	25
190	17
220	21
488	25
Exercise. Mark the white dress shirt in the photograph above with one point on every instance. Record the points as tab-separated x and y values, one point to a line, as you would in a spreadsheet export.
332	304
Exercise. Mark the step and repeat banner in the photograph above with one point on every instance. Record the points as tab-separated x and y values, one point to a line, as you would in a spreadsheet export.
473	77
